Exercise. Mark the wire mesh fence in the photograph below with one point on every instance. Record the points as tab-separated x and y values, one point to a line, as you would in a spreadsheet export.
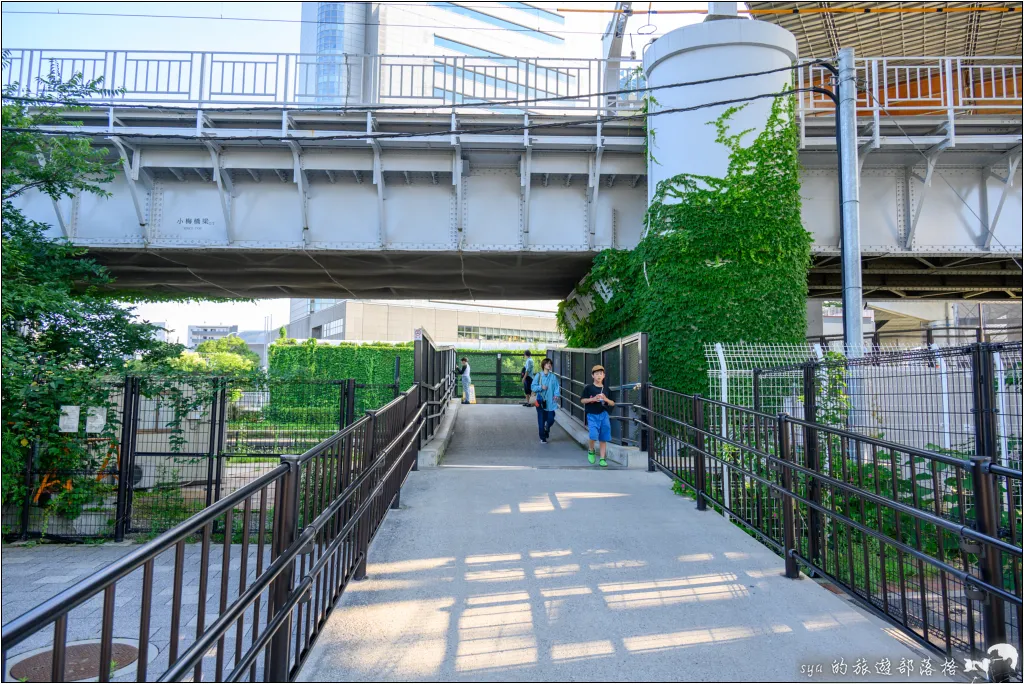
927	398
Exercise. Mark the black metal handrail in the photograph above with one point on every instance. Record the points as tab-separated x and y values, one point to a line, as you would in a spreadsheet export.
26	624
808	500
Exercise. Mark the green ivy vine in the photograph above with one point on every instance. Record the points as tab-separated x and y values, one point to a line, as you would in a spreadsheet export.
723	260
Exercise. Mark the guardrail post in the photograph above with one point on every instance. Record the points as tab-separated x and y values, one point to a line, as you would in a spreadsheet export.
26	507
785	453
983	380
811	461
350	401
124	468
285	531
757	389
698	454
644	377
363	526
497	375
648	433
986	507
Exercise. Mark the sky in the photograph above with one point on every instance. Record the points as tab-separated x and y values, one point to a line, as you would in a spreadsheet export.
244	27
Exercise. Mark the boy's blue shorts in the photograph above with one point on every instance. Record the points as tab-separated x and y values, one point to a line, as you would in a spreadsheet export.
600	426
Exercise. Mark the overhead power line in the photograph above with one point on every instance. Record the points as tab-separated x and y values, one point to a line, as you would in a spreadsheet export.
545	29
414	134
809	10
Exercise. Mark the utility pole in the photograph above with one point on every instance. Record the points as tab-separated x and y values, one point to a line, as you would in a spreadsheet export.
849	205
611	44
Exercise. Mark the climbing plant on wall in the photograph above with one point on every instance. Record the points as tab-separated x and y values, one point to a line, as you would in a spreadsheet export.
722	260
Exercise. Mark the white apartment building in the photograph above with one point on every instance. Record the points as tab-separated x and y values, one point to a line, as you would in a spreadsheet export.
203	333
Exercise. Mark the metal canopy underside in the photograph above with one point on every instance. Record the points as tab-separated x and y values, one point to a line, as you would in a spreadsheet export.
359	275
961	34
513	275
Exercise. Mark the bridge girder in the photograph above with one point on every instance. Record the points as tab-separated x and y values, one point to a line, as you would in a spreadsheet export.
461	204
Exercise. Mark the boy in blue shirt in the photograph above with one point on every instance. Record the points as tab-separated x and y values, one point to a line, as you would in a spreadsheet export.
597	400
546	388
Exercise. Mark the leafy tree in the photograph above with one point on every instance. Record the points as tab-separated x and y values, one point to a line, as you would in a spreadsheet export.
64	338
231	344
213	363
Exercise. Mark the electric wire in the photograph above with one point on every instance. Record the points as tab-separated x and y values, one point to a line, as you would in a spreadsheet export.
401	107
524	29
417	134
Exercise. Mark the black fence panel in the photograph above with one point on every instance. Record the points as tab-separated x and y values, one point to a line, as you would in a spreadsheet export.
625	364
79	502
930	541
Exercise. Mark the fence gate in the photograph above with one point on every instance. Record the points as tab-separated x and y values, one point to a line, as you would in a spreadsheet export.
626	374
173	434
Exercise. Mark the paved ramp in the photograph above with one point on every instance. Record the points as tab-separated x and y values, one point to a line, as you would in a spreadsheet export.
548	574
504	435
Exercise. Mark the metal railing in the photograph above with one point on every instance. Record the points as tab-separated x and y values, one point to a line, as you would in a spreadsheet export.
170	448
919	538
434	371
946	86
947	336
311	80
282	549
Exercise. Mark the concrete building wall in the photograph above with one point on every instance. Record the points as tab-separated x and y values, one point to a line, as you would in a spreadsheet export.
367	321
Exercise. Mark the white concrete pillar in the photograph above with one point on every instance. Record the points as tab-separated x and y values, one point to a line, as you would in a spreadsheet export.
683	142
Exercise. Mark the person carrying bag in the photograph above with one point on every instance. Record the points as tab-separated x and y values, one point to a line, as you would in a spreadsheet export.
546	389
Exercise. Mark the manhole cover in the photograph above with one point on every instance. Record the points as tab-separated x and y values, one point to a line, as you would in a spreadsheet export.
82	661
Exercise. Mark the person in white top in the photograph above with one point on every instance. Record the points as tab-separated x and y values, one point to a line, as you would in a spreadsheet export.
464	372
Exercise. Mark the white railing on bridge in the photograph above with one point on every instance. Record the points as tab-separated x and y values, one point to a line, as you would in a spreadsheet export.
944	86
310	80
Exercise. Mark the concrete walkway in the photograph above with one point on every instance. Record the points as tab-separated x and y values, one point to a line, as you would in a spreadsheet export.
496	570
495	435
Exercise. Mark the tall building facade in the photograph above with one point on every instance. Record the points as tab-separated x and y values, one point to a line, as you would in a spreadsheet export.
337	37
338	43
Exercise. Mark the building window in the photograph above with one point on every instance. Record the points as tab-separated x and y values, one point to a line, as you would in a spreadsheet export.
334	328
496	21
472	332
317	332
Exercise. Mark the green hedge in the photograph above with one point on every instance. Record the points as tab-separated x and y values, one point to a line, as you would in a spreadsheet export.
374	364
723	260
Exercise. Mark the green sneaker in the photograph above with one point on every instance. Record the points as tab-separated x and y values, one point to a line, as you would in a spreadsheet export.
591	456
603	463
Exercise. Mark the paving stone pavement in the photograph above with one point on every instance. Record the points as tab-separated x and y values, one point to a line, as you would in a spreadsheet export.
32	574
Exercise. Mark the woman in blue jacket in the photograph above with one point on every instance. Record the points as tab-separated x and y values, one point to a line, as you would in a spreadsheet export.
546	389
